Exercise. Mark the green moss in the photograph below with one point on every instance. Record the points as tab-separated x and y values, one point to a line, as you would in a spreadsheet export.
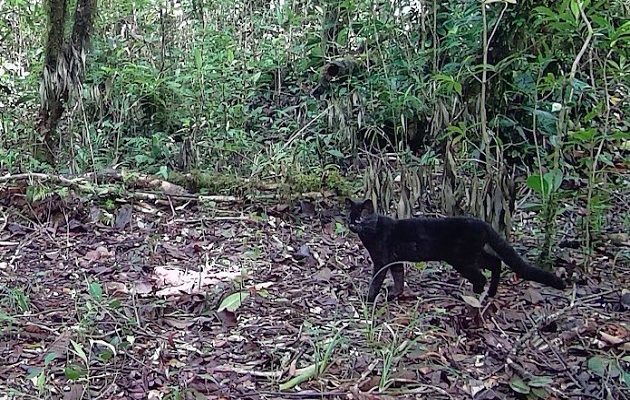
212	183
301	182
291	184
335	181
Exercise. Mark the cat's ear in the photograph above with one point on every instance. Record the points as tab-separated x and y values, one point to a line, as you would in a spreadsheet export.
349	203
368	206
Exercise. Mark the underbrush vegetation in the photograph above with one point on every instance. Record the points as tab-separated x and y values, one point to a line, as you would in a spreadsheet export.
172	184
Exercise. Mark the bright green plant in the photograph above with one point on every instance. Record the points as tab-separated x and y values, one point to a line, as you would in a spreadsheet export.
533	388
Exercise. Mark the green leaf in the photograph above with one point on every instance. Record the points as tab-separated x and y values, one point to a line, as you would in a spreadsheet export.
623	30
79	351
33	372
554	179
598	365
626	378
41	379
519	386
614	370
49	357
96	291
458	87
535	182
531	206
575	8
233	301
545	185
525	83
335	153
540	393
456	129
6	317
600	21
540	381
73	374
316	52
342	37
198	60
307	373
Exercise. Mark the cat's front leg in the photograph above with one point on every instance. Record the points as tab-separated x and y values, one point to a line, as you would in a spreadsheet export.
398	274
378	276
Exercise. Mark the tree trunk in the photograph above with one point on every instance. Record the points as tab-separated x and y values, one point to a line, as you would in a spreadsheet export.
64	67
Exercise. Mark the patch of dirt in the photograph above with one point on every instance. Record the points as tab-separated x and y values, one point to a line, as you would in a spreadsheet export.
88	310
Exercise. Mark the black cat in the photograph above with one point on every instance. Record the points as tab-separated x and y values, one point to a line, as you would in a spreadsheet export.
459	241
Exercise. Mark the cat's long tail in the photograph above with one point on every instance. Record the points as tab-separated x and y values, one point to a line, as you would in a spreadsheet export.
520	266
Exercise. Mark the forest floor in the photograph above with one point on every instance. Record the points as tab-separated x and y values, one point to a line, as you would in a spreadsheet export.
91	311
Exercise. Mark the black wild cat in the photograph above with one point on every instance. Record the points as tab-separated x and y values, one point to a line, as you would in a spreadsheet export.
459	241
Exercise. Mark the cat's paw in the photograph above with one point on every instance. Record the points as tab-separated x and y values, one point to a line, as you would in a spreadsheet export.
391	296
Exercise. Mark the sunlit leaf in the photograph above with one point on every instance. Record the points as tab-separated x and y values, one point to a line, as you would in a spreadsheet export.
472	301
79	351
233	301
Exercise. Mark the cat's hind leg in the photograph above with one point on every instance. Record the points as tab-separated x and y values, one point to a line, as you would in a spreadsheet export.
472	273
493	264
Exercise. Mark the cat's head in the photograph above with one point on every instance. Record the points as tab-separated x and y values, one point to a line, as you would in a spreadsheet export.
361	215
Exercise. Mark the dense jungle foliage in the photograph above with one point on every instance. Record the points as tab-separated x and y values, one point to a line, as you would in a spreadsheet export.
125	126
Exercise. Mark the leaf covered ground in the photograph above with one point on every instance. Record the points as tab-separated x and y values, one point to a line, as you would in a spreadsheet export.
89	310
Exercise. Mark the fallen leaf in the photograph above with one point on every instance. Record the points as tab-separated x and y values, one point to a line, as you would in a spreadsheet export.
471	301
178	323
369	383
92	255
323	274
173	189
475	386
143	287
307	207
227	318
302	253
610	338
533	296
59	348
123	217
459	357
618	238
115	287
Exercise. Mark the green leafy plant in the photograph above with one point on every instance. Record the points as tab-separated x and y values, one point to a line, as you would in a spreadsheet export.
609	368
533	388
20	300
235	300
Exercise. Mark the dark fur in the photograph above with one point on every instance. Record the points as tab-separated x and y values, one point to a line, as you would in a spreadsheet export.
459	241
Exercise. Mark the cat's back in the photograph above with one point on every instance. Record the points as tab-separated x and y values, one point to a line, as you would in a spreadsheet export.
432	225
